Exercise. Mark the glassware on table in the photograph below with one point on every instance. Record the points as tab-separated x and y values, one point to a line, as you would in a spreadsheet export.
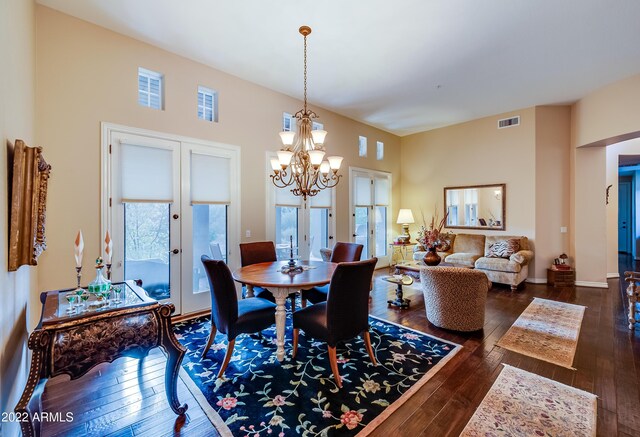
71	298
100	284
84	297
117	289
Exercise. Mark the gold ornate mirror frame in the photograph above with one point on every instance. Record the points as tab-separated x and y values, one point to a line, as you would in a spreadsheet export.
29	177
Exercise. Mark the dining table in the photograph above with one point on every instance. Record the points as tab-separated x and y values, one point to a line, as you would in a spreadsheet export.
269	275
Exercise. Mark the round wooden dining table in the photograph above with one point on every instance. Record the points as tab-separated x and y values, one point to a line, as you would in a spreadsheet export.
268	275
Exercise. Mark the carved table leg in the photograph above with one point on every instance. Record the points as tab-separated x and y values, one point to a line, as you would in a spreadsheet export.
281	319
249	290
175	352
30	400
631	294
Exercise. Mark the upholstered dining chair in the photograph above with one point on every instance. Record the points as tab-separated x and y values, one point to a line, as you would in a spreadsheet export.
261	252
344	315
230	316
342	252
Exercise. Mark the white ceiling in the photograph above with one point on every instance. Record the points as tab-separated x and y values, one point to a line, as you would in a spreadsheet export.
403	66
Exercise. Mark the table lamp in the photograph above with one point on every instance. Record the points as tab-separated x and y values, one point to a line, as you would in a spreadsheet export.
405	217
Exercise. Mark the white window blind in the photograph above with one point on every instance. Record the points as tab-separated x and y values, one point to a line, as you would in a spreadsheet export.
207	104
146	173
210	179
470	196
382	191
149	88
452	197
284	197
363	191
321	200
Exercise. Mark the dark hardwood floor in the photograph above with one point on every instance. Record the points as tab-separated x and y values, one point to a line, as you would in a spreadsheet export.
125	398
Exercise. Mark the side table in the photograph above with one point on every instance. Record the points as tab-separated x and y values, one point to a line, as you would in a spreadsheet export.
399	301
561	278
68	342
398	253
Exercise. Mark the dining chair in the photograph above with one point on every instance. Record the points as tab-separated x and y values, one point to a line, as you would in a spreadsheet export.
230	316
261	252
344	315
342	252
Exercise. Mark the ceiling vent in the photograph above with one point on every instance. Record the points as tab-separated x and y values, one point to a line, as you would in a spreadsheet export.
509	122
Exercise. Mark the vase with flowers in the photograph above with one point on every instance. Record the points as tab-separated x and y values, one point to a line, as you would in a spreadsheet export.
431	237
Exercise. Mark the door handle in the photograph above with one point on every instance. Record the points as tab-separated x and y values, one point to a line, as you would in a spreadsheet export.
175	251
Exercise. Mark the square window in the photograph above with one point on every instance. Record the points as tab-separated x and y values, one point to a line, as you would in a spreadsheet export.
379	150
207	104
288	122
362	146
316	126
150	89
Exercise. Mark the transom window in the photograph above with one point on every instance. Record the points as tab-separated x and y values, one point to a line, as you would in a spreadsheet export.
207	104
150	88
289	123
362	146
379	150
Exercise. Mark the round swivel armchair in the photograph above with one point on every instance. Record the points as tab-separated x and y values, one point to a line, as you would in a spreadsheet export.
454	298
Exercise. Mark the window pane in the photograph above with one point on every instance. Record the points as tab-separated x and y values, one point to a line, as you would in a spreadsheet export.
362	147
381	231
200	99
286	227
362	229
379	150
319	231
209	238
146	246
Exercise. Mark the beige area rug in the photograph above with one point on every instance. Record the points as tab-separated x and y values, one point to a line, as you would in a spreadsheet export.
546	330
520	403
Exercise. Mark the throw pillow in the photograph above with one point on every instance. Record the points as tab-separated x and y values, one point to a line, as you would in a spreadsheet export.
445	245
503	248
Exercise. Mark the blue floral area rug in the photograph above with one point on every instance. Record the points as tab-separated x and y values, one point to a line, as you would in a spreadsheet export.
261	397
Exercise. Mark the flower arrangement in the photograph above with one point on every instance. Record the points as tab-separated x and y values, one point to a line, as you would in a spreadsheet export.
431	236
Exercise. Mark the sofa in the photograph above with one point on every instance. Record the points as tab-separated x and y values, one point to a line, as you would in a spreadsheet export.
474	250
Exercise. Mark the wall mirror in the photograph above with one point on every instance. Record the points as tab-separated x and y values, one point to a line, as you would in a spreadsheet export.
476	207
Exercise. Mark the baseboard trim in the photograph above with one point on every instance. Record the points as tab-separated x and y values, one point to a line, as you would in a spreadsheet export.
536	280
592	284
613	275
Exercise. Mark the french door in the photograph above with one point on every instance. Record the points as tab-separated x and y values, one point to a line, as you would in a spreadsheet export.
168	201
370	212
309	225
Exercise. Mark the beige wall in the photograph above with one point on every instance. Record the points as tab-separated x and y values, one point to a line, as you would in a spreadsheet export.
606	116
553	147
607	113
87	75
17	51
474	153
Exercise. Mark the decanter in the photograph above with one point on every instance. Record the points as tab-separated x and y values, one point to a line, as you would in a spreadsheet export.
100	284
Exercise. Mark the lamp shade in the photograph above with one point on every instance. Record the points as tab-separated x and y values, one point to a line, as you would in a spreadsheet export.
405	216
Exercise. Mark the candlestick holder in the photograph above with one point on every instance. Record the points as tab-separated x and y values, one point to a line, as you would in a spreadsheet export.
108	271
78	277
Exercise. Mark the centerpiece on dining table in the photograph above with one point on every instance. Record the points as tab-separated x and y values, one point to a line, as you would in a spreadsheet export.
433	238
291	267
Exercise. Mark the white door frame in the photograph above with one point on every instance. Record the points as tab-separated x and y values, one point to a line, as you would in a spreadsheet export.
383	261
108	211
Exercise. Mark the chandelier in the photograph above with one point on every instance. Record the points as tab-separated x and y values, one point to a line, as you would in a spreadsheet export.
301	162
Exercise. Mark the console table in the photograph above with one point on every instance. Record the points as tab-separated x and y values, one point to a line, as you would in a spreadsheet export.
73	343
